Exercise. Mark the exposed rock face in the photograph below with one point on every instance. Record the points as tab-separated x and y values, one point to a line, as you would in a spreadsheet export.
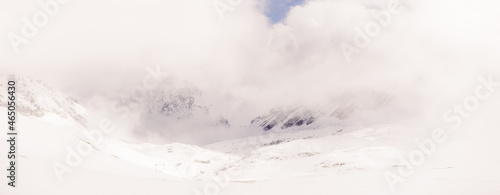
340	108
181	101
176	99
34	98
222	122
286	117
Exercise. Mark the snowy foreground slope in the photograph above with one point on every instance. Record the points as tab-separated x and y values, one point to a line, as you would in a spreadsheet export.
38	99
331	160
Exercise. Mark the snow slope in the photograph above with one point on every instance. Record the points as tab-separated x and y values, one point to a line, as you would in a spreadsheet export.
322	161
35	98
315	159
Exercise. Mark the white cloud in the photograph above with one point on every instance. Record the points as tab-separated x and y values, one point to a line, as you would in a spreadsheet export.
246	65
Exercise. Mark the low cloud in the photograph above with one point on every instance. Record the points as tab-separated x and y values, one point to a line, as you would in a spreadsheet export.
99	50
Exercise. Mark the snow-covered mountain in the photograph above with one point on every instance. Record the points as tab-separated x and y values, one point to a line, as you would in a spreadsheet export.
35	98
308	156
176	98
179	100
320	161
354	105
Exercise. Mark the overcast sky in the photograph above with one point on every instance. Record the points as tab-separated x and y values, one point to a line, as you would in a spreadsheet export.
253	53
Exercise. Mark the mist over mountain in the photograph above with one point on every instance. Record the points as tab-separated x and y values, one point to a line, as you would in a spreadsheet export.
38	100
178	111
245	97
242	67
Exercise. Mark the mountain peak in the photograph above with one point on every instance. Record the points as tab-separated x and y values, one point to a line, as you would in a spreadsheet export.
34	98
